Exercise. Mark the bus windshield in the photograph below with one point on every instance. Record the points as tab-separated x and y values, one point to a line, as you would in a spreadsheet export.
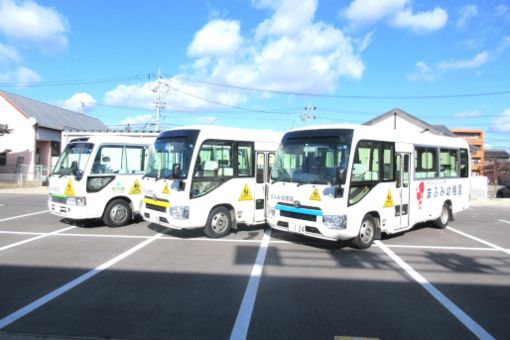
74	158
172	150
312	157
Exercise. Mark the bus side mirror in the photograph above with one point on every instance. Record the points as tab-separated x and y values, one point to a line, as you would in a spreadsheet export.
176	171
340	180
340	175
75	170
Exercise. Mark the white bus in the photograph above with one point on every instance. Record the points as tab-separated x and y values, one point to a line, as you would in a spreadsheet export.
351	182
209	176
99	177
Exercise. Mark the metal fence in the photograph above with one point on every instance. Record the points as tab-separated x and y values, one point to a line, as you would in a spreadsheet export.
23	175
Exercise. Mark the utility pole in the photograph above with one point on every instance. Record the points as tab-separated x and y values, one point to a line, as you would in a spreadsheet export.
159	88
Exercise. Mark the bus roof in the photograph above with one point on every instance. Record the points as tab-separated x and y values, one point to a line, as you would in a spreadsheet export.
231	133
145	140
399	136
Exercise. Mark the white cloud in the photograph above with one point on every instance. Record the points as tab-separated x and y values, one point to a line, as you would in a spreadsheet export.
289	18
365	42
423	72
27	21
139	119
177	96
9	54
289	51
21	76
361	12
421	22
478	60
397	13
505	43
207	120
217	38
469	114
79	102
502	123
501	10
466	13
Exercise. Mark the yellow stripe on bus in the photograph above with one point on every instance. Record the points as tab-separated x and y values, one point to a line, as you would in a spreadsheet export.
158	203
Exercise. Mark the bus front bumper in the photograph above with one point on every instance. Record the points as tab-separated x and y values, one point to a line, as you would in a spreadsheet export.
163	217
310	229
69	211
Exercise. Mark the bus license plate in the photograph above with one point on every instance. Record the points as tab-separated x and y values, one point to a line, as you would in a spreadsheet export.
296	228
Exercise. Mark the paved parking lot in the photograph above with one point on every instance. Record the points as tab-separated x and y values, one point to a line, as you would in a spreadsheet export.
142	281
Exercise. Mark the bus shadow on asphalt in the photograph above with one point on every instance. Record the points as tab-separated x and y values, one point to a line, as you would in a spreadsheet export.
251	231
95	223
308	241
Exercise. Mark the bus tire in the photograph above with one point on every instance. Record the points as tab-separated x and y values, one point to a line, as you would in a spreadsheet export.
366	235
219	223
444	218
118	213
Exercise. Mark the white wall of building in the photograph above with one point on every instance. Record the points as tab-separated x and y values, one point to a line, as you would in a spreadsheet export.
21	140
401	125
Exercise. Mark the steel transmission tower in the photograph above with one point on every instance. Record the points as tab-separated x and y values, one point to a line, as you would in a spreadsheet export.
159	88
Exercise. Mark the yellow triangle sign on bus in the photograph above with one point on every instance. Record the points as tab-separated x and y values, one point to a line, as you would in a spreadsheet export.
69	189
315	195
136	189
165	189
389	200
246	194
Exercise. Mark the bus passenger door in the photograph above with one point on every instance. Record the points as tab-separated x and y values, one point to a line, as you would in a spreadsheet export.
264	163
403	188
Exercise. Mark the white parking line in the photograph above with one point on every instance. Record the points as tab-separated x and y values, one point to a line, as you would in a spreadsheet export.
240	329
70	285
20	216
479	240
35	238
164	238
441	247
440	297
504	221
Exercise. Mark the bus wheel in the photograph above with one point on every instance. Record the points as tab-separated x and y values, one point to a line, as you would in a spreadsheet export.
444	218
366	234
219	223
117	213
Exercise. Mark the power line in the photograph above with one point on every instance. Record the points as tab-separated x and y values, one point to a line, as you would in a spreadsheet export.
74	82
308	94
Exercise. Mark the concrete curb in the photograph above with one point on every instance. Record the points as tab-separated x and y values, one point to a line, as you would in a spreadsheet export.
27	191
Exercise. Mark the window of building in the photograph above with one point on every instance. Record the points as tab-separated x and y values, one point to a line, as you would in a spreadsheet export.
3	158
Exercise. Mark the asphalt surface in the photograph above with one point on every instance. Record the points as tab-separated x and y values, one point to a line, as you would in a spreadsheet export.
73	281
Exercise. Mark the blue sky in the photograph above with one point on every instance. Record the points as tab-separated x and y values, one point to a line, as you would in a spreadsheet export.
259	63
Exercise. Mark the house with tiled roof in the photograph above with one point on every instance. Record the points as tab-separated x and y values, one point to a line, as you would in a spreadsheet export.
32	131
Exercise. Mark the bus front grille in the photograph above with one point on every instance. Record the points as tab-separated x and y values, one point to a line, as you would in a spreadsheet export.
58	199
298	216
155	207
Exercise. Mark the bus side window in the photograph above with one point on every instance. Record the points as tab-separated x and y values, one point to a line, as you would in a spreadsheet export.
135	159
108	160
425	162
215	167
245	159
260	167
464	163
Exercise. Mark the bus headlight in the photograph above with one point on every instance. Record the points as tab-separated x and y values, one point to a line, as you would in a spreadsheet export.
335	221
180	213
74	200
